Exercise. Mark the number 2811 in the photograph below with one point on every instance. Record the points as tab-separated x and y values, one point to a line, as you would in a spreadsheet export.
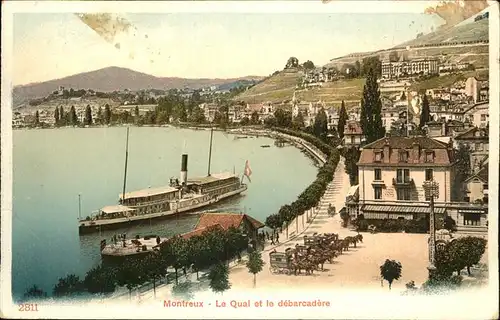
28	307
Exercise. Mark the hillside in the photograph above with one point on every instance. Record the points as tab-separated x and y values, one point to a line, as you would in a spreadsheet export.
114	78
454	43
280	87
276	88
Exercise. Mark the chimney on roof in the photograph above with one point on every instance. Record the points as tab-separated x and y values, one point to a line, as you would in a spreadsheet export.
387	150
415	148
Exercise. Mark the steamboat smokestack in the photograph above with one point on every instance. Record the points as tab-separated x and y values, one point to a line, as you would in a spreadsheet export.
184	169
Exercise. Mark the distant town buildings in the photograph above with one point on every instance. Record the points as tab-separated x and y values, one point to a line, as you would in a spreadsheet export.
404	68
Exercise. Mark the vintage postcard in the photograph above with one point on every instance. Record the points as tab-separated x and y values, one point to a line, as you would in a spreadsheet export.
296	159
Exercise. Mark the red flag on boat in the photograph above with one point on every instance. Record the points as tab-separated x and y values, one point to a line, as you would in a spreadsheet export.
248	171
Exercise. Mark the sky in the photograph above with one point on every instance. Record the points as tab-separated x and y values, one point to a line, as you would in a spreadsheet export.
48	46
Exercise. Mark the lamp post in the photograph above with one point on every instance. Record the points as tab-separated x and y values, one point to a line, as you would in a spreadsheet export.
431	189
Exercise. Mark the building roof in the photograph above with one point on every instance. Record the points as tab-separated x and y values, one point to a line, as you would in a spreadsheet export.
443	156
400	209
471	134
226	220
149	192
481	175
211	178
116	209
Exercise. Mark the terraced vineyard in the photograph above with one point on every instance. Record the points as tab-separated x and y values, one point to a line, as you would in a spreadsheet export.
276	88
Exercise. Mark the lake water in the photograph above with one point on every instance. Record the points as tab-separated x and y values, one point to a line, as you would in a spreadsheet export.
52	167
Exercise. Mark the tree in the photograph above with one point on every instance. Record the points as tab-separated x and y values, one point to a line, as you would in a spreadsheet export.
73	118
56	116
351	168
292	63
425	115
88	116
100	280
373	63
99	116
255	264
176	252
197	115
67	286
298	121
219	278
107	114
136	111
62	116
154	268
35	293
390	271
244	121
471	249
254	118
308	65
462	168
130	275
283	118
37	118
371	110
342	120
320	126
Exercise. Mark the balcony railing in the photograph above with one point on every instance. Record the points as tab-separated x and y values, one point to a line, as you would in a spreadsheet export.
402	182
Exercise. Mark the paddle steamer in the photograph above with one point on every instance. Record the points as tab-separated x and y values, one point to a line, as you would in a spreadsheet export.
180	196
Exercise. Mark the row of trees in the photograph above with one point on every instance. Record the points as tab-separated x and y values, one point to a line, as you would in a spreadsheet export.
213	247
454	256
311	196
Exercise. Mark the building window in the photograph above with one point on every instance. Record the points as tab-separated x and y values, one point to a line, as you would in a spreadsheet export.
378	156
403	194
403	156
378	192
352	140
429	156
479	147
428	174
403	175
378	174
483	117
472	219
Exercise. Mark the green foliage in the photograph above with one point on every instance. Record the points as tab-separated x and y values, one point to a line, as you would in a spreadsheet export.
88	116
462	169
298	121
390	271
154	267
342	120
255	264
73	118
254	118
56	116
283	118
425	115
292	62
219	278
107	114
372	63
69	285
34	293
100	280
371	110
351	156
274	221
320	127
308	65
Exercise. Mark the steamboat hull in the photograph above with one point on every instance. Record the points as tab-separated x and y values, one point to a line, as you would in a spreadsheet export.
112	224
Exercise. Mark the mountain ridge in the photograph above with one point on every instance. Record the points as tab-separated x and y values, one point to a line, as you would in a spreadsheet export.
116	78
